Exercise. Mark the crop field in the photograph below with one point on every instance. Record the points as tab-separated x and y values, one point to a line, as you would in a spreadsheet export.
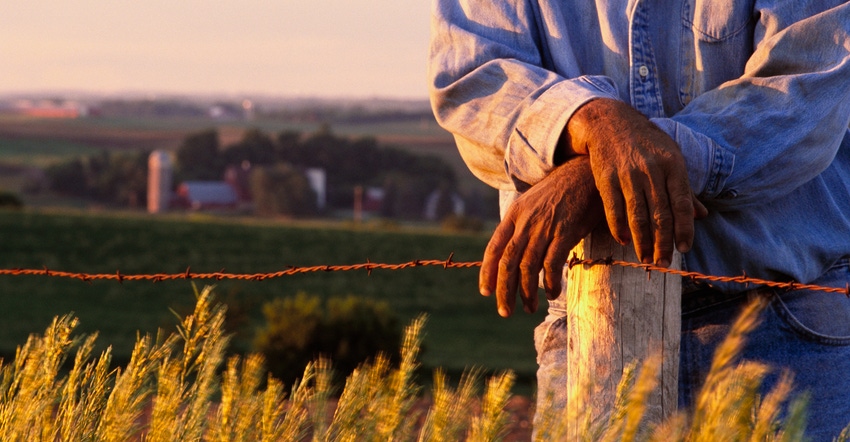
27	152
463	327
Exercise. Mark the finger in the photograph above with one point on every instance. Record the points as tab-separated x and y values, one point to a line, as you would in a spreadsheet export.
700	211
530	268
639	218
683	210
615	209
663	230
508	278
530	284
493	254
553	267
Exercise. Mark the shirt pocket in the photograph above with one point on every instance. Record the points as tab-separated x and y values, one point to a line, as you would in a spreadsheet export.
717	41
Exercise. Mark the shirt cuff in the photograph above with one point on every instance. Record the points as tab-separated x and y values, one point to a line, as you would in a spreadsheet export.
531	146
709	164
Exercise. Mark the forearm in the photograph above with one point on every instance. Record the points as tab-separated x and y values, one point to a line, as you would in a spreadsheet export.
489	89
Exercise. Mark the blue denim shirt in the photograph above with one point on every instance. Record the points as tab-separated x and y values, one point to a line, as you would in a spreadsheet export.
755	92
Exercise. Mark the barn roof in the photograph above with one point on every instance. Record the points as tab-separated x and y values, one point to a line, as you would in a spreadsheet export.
210	193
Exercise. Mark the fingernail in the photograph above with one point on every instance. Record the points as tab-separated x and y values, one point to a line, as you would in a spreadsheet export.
484	291
504	312
682	247
663	263
646	260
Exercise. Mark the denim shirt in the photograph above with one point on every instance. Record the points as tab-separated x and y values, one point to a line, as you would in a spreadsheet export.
755	92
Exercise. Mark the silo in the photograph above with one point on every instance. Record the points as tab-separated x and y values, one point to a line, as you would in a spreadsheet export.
159	181
317	179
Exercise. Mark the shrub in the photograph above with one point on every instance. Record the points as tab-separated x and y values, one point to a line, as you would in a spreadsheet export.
345	330
460	223
10	200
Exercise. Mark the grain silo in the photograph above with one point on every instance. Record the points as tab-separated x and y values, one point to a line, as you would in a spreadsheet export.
160	172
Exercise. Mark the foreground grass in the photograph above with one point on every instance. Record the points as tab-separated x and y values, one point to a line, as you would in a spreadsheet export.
173	389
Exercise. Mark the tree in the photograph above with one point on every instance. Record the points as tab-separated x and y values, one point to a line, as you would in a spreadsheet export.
282	190
110	178
288	147
255	147
199	158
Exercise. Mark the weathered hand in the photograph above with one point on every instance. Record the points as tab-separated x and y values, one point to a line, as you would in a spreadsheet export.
640	173
538	232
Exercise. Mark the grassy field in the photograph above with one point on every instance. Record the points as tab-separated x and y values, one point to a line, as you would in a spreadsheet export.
28	152
463	330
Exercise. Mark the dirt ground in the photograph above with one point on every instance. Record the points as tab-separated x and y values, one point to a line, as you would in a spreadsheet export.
520	410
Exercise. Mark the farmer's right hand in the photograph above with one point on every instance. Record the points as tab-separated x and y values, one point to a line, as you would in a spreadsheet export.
640	173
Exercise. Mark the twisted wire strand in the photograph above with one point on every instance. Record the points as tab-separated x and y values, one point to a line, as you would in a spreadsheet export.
370	266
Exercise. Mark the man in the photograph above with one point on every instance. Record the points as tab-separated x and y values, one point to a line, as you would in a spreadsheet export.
649	115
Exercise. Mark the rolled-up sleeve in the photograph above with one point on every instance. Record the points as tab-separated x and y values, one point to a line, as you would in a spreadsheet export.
489	87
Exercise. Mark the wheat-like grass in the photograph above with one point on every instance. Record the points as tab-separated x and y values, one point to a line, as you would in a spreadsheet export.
179	385
449	414
491	424
132	389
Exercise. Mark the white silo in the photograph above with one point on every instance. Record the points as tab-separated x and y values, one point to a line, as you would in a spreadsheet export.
159	181
317	179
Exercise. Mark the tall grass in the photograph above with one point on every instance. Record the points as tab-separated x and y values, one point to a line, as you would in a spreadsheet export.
184	387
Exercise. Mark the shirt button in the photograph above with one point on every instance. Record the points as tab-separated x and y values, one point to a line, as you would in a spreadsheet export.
643	71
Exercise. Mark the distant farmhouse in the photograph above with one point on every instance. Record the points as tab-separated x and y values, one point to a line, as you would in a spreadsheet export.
232	193
52	109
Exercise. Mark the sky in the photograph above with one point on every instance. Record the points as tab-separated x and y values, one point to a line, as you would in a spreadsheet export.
302	48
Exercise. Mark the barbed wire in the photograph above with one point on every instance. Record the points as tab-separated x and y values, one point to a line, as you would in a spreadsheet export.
370	266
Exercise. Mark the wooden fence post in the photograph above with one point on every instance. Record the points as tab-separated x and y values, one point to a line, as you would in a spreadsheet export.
616	315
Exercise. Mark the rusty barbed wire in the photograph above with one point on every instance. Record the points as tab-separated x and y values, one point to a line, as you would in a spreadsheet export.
370	266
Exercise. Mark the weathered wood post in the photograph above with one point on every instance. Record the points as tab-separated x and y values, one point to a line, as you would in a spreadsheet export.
616	315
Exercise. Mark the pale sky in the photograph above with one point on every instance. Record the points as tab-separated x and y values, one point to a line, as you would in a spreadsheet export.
317	48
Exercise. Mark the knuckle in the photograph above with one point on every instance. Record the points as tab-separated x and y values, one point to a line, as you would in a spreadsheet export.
682	204
527	267
662	218
504	266
639	219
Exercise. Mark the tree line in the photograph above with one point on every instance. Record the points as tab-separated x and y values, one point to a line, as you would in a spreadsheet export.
277	163
277	180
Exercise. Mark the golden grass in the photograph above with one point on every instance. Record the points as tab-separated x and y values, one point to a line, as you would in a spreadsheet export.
182	387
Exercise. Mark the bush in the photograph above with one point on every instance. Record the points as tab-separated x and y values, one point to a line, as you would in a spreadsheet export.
10	200
459	223
346	330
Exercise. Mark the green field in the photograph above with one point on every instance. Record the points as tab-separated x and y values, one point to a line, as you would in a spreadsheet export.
463	330
39	153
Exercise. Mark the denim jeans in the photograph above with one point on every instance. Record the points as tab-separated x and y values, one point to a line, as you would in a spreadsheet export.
806	332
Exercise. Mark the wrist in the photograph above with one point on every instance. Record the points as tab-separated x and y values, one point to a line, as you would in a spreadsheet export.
575	134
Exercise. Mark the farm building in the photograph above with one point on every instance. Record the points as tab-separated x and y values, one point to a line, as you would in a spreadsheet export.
205	195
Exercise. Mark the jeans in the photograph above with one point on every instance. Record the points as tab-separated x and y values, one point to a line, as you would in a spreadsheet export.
806	332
